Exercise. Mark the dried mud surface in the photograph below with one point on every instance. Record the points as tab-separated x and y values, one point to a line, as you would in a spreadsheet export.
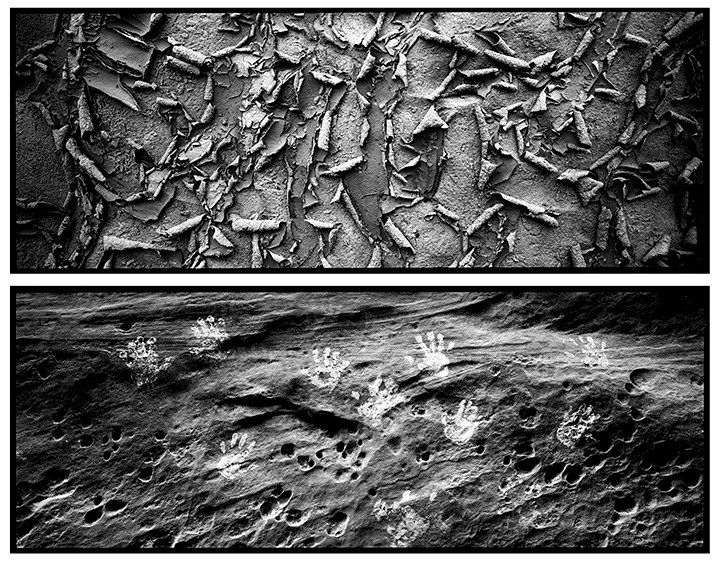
360	140
557	420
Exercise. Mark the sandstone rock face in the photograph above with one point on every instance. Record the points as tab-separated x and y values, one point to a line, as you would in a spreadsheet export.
361	420
359	139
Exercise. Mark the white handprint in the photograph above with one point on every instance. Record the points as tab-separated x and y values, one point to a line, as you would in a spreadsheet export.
436	359
460	427
328	370
383	397
231	464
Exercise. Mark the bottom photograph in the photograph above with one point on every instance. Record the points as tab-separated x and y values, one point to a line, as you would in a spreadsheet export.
559	419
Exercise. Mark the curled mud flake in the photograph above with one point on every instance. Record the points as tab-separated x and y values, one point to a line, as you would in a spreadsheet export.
218	245
182	228
60	136
518	65
144	86
323	141
635	40
110	84
483	130
342	195
401	69
546	219
435	94
535	84
586	186
209	92
562	72
540	105
487	169
607	157
287	57
690	168
448	41
573	175
493	38
326	78
583	46
587	189
241	224
85	121
431	120
344	167
182	66
621	26
84	161
519	139
448	214
167	102
505	86
536	212
639	138
581	129
683	26
576	255
156	18
376	257
627	134
684	120
191	56
320	224
367	66
169	151
540	162
621	230
541	62
531	208
659	250
374	30
467	261
256	259
397	235
640	96
479	73
208	114
484	217
114	243
610	94
603	228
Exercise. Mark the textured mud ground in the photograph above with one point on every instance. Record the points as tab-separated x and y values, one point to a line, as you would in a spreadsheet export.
531	435
353	140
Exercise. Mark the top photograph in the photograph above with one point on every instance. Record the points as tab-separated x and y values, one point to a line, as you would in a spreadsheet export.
446	141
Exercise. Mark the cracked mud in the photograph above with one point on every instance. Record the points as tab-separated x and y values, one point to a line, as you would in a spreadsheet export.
361	140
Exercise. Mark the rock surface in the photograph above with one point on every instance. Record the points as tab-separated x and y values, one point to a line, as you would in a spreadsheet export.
545	420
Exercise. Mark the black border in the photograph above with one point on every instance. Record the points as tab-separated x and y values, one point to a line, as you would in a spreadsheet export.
698	290
700	269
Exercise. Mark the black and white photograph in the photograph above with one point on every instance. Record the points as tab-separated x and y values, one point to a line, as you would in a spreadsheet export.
360	140
398	419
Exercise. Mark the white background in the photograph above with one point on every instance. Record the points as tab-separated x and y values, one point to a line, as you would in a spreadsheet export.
418	280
